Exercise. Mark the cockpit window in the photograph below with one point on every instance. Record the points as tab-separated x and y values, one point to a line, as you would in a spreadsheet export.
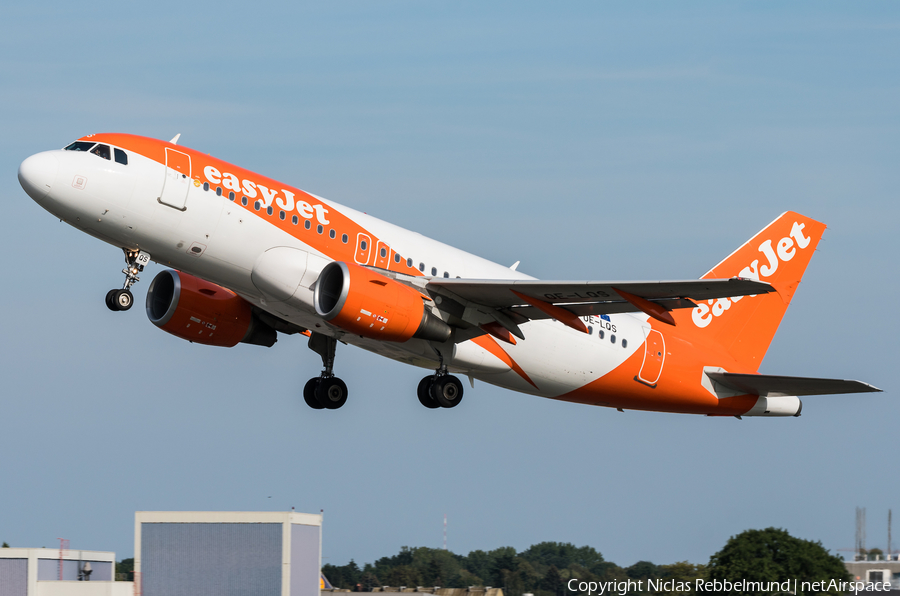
80	146
121	157
101	150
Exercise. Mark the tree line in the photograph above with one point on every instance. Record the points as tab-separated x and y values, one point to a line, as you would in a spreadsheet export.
545	569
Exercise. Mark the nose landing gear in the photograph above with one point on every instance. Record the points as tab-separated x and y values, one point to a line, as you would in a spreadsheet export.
123	299
325	391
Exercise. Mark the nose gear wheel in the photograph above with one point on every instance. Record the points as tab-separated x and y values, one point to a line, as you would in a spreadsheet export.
123	299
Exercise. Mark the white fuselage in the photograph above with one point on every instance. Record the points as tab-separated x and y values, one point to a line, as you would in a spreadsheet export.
230	245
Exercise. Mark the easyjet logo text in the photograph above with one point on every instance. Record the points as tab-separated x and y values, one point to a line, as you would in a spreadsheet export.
783	251
266	196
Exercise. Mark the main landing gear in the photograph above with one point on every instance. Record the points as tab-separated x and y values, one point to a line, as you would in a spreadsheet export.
440	390
123	299
325	391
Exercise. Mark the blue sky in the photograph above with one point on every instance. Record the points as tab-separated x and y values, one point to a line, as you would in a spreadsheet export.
588	140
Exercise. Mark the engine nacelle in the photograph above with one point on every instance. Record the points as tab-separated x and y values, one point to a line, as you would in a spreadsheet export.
369	304
202	312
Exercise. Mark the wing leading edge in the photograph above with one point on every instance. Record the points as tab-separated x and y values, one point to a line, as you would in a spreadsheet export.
499	293
509	303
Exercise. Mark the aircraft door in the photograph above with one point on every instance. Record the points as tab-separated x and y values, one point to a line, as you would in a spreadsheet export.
654	357
363	249
382	255
178	181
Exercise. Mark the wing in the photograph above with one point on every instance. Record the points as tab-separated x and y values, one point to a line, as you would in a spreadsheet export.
509	303
776	385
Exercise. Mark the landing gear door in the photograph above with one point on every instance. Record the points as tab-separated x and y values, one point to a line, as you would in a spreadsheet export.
177	182
654	357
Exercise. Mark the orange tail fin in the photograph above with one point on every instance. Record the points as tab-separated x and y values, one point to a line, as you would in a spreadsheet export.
744	326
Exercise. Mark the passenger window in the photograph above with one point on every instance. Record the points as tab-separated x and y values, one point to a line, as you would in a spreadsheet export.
121	157
244	201
409	262
624	343
434	271
344	238
269	210
612	338
383	252
396	258
206	186
256	205
307	225
446	274
281	214
363	245
101	151
590	330
219	190
320	229
332	234
422	267
80	146
601	334
231	195
294	220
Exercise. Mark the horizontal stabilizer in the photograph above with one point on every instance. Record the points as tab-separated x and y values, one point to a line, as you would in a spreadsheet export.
776	385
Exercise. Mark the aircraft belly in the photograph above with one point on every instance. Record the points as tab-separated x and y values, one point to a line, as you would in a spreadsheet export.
559	359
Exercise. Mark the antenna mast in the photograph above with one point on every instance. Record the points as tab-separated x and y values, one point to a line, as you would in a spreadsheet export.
861	534
63	550
889	551
445	531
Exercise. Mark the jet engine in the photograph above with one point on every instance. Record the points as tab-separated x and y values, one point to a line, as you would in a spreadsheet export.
202	312
372	305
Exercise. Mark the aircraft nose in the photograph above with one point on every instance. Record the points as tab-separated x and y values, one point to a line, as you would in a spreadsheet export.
37	174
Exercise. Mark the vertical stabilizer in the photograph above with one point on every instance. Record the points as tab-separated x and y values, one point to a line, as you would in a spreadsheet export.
744	326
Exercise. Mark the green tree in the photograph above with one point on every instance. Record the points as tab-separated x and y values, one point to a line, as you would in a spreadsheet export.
402	575
5	545
369	580
553	582
642	570
683	572
562	554
503	560
125	566
466	578
773	555
343	576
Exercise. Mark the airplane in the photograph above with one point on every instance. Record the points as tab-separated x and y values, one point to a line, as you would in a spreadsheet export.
251	257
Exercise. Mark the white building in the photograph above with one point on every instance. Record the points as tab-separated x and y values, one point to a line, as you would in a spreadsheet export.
49	572
207	553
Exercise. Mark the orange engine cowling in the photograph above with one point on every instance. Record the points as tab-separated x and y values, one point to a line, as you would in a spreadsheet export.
369	304
202	312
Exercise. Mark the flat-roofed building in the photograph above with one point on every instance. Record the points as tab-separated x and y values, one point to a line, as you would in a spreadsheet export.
876	570
52	572
210	553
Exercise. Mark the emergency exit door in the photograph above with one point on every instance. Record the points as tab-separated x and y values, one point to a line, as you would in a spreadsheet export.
654	357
